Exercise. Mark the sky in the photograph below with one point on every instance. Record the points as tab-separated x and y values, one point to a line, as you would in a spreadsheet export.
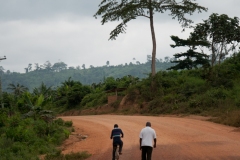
34	31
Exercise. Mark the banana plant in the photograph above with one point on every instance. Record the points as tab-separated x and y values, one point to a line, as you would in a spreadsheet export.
35	108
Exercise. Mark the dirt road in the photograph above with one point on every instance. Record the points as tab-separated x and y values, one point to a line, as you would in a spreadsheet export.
177	138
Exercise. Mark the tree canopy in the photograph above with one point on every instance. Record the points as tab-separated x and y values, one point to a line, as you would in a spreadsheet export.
127	10
223	34
192	58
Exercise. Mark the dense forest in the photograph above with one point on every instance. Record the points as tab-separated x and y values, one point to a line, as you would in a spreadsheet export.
54	75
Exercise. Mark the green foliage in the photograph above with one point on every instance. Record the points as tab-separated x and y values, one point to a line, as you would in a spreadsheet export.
192	59
94	99
40	127
71	93
212	92
222	32
3	117
110	83
68	124
59	121
66	133
52	80
19	133
144	90
17	89
191	86
130	10
26	138
10	150
55	156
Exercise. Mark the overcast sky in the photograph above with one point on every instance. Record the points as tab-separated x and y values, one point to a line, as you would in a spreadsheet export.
36	31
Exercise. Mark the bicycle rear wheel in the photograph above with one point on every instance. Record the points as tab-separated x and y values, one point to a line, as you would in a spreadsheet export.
117	153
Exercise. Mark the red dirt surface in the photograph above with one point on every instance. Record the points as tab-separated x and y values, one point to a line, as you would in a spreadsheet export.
177	138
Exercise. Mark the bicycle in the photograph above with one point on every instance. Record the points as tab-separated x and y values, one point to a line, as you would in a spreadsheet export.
116	152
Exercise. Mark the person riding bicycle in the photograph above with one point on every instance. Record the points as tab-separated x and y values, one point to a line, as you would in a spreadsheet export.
116	136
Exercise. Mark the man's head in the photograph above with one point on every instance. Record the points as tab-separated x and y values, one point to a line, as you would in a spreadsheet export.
115	126
148	124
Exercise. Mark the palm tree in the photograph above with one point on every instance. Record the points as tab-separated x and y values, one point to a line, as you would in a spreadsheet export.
17	89
42	89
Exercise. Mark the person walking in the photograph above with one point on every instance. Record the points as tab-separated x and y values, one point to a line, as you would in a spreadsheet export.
147	137
116	135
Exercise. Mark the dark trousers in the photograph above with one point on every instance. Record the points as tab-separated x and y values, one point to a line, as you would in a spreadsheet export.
146	152
120	143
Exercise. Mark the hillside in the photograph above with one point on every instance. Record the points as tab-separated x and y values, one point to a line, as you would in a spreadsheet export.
54	76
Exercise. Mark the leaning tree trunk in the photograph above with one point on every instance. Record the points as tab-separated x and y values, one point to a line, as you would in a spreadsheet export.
153	40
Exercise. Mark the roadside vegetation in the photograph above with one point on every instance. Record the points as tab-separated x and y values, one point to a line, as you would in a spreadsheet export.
207	91
212	92
28	130
28	138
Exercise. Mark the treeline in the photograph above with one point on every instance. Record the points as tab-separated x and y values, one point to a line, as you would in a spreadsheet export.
212	91
54	75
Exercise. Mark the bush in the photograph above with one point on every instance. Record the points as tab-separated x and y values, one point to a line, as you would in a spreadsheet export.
192	85
21	132
68	123
66	133
218	93
40	128
94	99
231	118
23	139
3	117
17	150
59	121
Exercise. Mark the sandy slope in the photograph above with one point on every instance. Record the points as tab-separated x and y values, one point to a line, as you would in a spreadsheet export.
177	138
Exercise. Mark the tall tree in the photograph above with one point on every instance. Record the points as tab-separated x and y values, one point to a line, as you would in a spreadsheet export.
48	66
29	66
127	10
107	63
26	69
59	66
37	66
83	66
78	68
222	32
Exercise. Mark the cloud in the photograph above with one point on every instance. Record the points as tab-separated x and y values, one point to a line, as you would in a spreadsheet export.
32	10
60	30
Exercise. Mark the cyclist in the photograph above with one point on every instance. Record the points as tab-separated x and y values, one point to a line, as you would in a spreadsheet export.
116	136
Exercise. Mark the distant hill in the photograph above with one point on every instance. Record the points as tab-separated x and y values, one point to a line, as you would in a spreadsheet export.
55	75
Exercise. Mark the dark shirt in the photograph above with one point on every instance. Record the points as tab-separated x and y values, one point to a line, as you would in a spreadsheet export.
116	134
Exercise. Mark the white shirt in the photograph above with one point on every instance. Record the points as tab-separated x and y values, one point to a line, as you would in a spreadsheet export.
147	135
